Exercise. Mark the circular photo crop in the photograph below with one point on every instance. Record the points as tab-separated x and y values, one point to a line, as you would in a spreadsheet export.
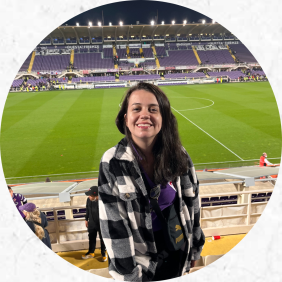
140	140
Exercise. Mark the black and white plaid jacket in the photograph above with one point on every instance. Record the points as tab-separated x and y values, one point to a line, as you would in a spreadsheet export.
125	217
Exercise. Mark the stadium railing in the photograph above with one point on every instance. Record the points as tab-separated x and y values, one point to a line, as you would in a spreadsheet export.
235	218
71	234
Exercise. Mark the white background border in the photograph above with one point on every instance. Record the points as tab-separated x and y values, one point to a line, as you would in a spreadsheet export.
25	23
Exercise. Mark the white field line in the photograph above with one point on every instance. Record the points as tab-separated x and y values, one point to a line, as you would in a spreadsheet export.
69	173
196	108
51	174
208	134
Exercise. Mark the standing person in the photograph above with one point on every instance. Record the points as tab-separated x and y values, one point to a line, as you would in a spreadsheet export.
263	160
37	222
92	223
18	199
148	171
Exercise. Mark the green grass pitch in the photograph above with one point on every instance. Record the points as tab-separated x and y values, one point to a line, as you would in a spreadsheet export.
65	133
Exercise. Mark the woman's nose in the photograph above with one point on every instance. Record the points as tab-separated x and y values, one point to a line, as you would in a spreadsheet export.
145	113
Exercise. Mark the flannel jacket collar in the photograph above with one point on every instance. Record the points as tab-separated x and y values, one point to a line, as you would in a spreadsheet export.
124	152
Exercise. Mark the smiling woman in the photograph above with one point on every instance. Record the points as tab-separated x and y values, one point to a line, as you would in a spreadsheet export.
148	193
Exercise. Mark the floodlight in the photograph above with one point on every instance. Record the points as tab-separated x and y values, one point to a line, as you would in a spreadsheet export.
203	21
110	24
77	24
90	23
213	21
120	23
162	22
173	22
152	22
99	23
184	22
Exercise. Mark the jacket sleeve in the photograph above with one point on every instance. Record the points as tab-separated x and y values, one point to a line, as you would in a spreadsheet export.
191	190
87	211
198	235
116	231
23	199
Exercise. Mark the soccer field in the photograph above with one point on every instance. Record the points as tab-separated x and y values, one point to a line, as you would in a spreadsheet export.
63	134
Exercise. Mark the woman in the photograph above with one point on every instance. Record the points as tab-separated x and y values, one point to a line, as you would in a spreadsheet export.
150	158
37	222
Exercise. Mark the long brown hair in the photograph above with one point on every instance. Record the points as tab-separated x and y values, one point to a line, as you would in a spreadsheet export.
35	217
170	159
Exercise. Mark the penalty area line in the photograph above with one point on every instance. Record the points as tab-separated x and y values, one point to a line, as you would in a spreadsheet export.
208	134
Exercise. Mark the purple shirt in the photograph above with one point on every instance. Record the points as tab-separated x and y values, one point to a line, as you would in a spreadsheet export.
18	199
166	198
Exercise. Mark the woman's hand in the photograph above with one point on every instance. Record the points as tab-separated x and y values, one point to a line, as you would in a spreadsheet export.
86	223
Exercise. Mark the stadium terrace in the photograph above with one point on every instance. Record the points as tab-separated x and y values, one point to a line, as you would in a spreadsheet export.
117	55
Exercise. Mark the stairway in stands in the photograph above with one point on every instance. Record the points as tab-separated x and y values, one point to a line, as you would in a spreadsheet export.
156	57
141	52
115	53
232	55
72	56
127	52
196	55
31	62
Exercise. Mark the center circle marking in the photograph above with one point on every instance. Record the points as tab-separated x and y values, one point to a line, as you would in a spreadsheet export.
212	103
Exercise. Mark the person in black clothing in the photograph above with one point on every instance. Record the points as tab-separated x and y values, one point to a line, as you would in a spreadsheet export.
93	224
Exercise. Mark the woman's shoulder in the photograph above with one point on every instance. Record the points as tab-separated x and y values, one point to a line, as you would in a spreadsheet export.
121	151
108	155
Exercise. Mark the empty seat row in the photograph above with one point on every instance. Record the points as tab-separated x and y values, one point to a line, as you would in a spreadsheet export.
223	198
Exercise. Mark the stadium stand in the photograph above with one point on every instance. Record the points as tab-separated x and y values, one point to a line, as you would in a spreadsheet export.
25	65
108	52
179	58
17	82
215	57
160	51
185	75
92	61
93	79
148	53
51	62
121	52
242	53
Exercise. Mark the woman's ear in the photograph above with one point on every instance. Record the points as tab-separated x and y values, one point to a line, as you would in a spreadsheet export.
125	119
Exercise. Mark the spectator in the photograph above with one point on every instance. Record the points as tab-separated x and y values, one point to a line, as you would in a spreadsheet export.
263	160
92	224
37	221
18	199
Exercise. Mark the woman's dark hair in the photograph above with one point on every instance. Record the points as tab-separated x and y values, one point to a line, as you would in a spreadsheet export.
170	158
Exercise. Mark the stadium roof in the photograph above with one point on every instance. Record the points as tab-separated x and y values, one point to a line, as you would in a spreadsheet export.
137	30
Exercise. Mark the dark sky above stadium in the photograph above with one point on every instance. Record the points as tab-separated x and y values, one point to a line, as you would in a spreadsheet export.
143	11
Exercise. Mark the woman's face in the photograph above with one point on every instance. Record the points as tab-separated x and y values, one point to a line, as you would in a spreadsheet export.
143	117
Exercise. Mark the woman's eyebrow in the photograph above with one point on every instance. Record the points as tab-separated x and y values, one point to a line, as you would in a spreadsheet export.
156	105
